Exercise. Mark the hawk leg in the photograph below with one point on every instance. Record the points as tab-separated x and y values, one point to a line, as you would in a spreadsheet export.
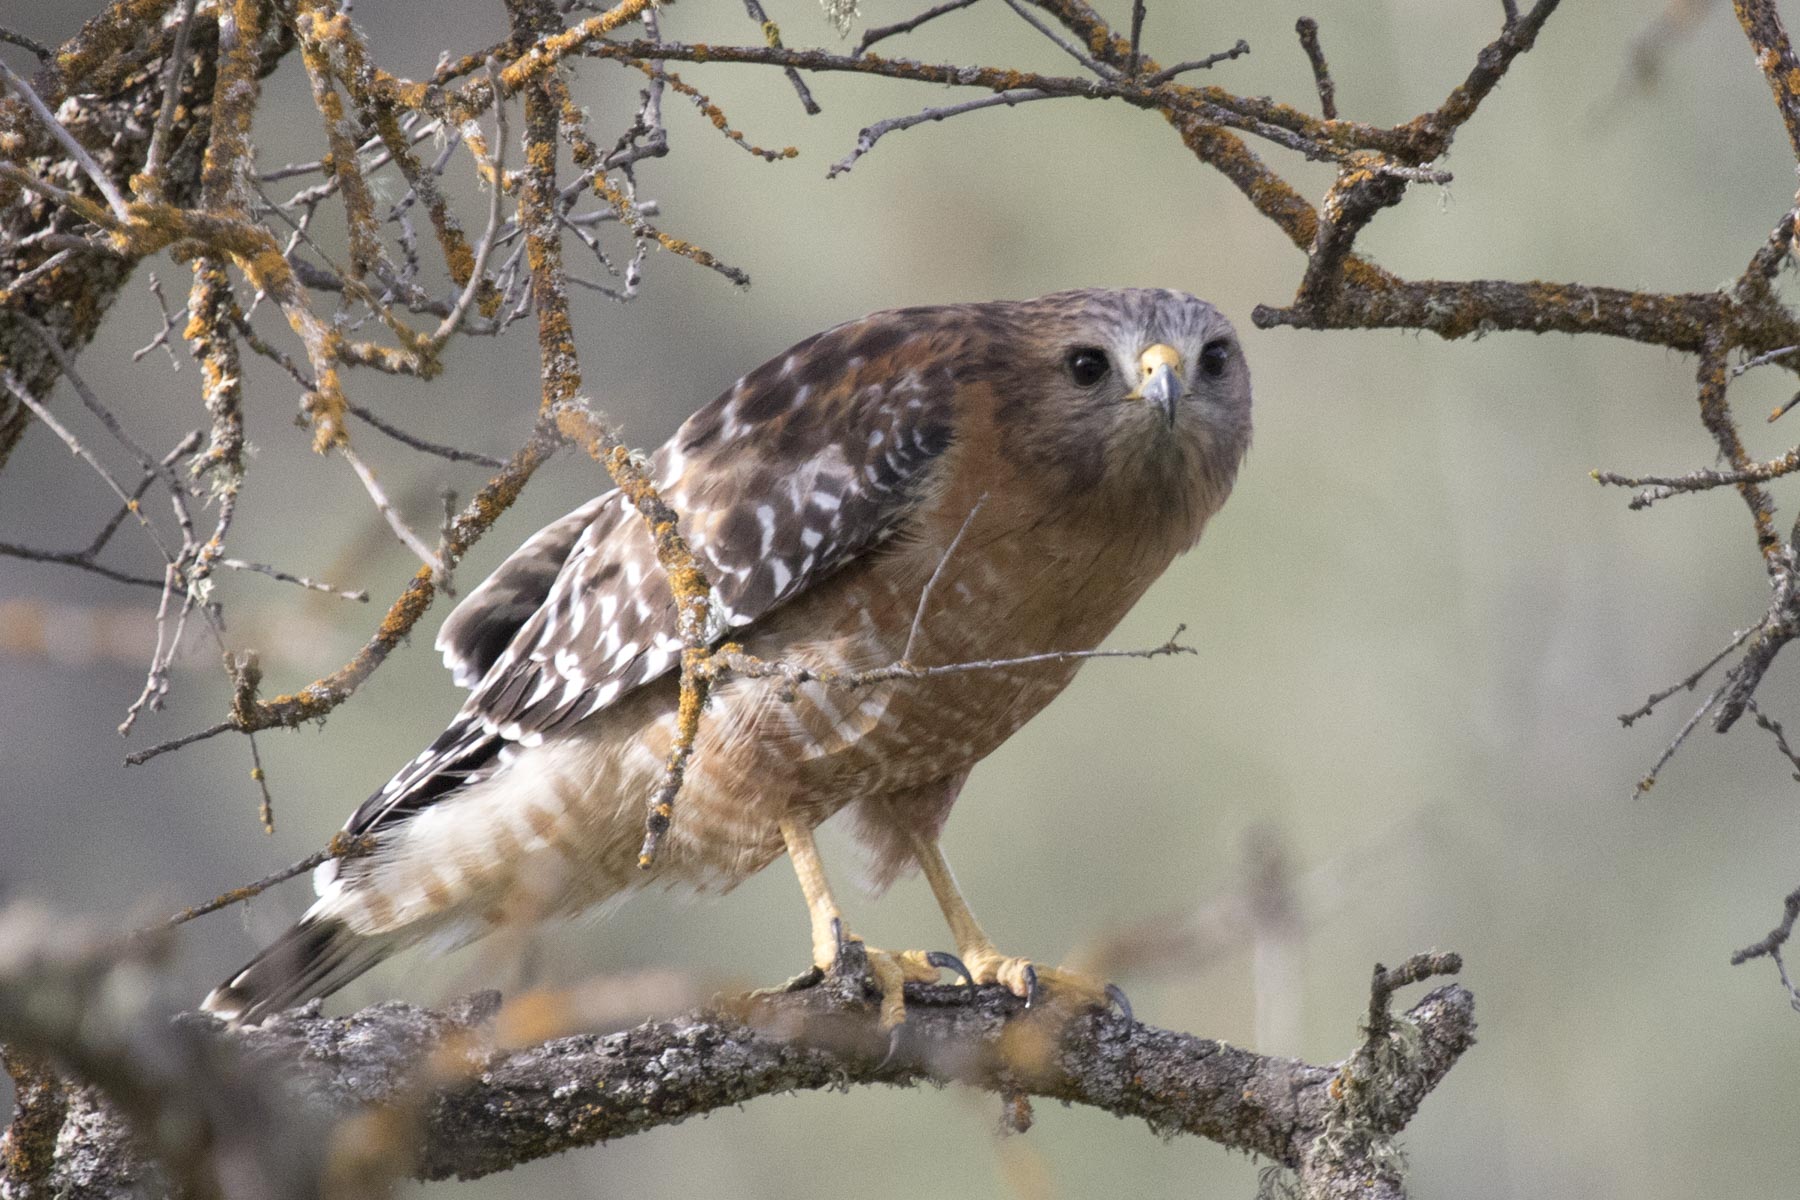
892	969
1019	976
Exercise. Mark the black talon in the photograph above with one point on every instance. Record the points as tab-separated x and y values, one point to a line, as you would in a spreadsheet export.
893	1049
943	960
1116	995
1031	984
837	934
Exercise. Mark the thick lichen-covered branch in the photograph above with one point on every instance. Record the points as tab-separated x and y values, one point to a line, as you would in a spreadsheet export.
478	1089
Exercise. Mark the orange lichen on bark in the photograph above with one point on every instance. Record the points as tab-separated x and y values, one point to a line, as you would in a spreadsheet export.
1775	56
87	58
228	156
324	40
712	112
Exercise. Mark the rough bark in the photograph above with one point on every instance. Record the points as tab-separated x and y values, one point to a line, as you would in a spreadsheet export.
309	1105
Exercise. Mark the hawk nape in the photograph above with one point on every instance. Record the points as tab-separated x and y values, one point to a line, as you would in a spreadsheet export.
1038	462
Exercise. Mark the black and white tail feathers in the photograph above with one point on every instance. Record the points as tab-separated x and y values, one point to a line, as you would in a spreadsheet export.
322	953
315	958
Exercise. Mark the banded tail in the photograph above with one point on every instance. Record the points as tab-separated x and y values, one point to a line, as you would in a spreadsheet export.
315	958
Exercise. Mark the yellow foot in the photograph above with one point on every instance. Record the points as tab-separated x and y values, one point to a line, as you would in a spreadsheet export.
1033	983
892	969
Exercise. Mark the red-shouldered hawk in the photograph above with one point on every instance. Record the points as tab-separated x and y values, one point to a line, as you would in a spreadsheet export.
952	484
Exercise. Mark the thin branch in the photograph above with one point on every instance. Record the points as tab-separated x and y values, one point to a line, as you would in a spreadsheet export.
391	515
1770	947
419	443
865	141
1750	364
1781	743
23	396
324	694
140	757
86	559
1308	29
1691	682
77	559
1661	487
1199	64
883	32
747	666
772	35
343	845
1075	52
17	286
168	644
167	331
100	179
157	155
496	171
912	635
238	564
1662	760
1137	37
45	54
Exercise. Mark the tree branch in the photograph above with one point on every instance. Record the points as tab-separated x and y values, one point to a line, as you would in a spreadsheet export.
476	1089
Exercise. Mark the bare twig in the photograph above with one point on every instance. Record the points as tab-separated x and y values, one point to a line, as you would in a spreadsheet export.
1760	360
167	331
1662	760
1781	743
865	141
1075	52
342	845
883	32
18	286
140	757
24	397
495	169
45	54
1770	947
156	157
912	635
772	35
1308	29
170	629
1691	682
324	694
1137	37
77	559
238	564
747	666
1199	64
1661	487
391	515
419	443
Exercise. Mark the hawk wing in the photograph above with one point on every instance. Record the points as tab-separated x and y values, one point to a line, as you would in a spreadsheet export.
806	463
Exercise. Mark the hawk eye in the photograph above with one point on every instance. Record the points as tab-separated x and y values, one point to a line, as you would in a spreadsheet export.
1088	365
1214	357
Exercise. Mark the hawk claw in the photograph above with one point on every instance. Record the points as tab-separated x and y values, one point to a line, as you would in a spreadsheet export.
1031	985
944	960
893	1050
1116	994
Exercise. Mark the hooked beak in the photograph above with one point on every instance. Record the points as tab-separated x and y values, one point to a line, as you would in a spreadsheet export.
1160	383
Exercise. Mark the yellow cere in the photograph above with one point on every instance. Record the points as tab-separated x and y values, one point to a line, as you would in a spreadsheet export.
1160	355
1153	360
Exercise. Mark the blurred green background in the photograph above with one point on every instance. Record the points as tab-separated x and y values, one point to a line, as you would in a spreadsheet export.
1417	619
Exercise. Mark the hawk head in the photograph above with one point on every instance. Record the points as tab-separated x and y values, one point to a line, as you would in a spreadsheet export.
1133	397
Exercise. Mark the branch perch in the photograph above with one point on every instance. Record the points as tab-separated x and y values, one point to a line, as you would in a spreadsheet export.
481	1091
